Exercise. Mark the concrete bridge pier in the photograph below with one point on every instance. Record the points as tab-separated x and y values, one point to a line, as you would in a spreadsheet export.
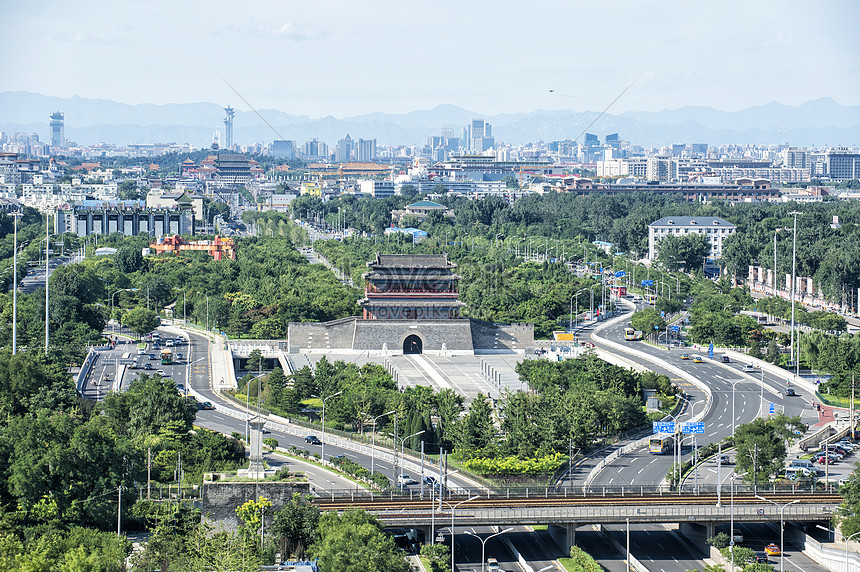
698	534
564	535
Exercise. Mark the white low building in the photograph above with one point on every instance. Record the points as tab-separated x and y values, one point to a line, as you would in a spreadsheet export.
714	228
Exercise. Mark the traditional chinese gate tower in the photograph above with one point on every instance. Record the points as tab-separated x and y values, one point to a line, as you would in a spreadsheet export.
411	287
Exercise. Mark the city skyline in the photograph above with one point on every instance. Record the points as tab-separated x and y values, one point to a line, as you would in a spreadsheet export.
374	57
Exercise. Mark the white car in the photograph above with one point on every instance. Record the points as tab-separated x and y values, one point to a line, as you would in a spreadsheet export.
749	368
404	480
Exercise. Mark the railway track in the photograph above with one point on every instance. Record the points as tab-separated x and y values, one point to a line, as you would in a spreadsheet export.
378	505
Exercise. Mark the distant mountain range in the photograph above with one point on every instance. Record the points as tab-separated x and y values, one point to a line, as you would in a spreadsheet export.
821	122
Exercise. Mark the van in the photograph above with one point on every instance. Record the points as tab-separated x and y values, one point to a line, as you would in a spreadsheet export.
802	464
492	565
141	351
637	298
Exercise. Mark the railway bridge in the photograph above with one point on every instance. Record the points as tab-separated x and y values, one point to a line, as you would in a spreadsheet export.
697	514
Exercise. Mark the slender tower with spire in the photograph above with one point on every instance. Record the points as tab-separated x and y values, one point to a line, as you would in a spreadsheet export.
228	124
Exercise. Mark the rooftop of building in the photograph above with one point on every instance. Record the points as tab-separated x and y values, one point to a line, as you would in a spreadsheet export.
426	205
411	261
703	221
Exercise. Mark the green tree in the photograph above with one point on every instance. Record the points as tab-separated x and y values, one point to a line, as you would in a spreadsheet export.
773	354
475	432
128	259
295	526
688	251
354	542
648	321
140	320
761	446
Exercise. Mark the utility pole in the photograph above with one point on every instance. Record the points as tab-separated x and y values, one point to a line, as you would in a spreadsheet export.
16	215
793	281
47	268
119	511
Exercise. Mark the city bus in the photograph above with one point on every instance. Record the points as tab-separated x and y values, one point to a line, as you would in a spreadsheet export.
620	291
166	357
631	334
651	298
661	443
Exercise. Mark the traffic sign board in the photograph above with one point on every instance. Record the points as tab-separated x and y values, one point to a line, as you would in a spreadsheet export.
664	426
647	282
698	427
676	328
772	409
620	274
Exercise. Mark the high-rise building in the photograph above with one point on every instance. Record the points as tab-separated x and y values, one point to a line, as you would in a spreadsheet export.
228	125
343	151
662	168
284	149
612	140
366	150
480	136
842	164
795	157
58	132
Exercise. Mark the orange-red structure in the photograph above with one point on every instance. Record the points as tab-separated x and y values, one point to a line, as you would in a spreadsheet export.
217	249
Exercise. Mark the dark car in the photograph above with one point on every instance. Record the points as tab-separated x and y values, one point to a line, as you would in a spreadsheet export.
760	557
725	359
789	392
313	440
147	366
206	405
153	356
337	458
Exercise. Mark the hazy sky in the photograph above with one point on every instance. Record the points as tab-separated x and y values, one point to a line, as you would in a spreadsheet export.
341	58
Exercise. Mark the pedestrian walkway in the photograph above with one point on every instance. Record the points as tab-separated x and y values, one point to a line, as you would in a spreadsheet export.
826	414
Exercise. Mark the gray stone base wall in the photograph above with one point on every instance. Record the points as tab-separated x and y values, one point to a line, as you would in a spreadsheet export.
219	500
502	338
438	337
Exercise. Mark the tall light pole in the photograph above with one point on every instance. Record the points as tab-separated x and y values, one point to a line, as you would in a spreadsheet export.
15	216
47	276
793	279
402	441
782	508
322	451
453	508
484	544
734	382
845	539
373	439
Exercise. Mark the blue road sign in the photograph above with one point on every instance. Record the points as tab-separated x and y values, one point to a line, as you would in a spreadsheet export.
693	428
656	327
647	282
662	314
620	274
664	426
676	328
711	351
771	409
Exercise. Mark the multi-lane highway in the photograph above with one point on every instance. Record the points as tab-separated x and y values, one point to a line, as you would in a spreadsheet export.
637	467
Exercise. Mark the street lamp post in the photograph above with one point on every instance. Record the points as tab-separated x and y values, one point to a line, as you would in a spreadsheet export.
322	450
373	439
15	215
793	279
453	508
734	382
782	508
484	544
402	441
844	538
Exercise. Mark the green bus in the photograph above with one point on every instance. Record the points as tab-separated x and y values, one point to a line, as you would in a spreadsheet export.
166	357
